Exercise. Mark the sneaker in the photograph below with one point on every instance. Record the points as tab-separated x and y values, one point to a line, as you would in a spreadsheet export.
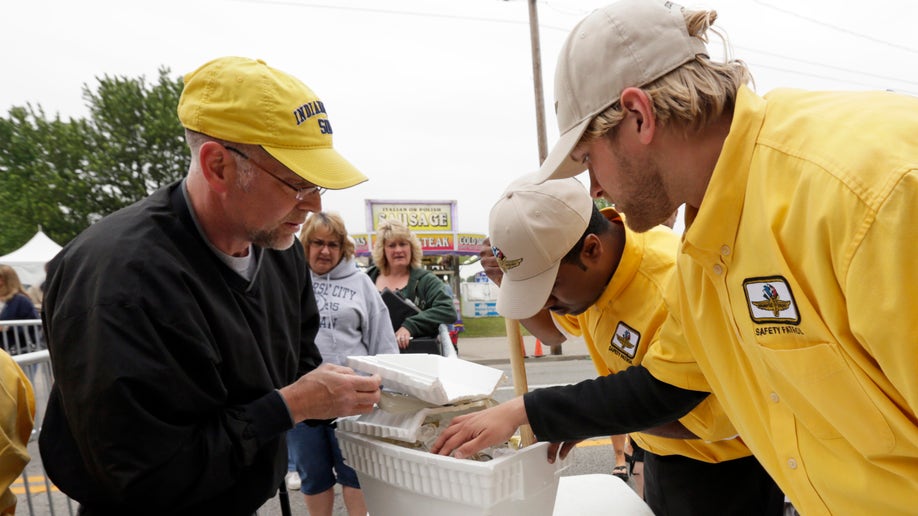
293	481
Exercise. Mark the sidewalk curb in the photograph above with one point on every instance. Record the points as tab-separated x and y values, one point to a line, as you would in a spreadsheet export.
527	360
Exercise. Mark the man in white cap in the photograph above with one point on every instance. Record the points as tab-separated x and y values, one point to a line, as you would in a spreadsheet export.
181	328
797	268
565	267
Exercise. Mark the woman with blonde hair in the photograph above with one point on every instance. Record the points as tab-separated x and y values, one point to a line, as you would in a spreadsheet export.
16	306
397	266
353	321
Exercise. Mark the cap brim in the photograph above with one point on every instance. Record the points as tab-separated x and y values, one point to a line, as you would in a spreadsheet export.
321	167
558	164
523	299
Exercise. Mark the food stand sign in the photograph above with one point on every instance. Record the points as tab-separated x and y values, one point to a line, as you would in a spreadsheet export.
419	216
434	223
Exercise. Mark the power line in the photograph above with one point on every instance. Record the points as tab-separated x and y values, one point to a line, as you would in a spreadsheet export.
829	78
423	14
836	27
420	14
831	67
568	11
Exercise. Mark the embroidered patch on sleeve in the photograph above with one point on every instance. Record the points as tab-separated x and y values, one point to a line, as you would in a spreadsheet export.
770	300
625	341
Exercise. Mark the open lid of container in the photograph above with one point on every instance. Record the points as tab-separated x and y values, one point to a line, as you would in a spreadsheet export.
432	378
407	426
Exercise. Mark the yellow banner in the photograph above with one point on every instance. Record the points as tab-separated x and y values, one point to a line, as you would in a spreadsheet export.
417	216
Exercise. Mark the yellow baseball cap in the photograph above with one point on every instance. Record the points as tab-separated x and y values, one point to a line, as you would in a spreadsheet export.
244	100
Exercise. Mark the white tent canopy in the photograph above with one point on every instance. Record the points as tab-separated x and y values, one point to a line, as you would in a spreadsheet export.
29	260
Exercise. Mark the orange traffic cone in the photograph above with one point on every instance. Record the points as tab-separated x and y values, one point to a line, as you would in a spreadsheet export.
523	346
538	348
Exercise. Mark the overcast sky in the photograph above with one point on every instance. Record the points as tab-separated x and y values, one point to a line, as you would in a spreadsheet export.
432	99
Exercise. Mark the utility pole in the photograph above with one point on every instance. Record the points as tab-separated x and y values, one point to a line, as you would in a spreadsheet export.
537	79
514	335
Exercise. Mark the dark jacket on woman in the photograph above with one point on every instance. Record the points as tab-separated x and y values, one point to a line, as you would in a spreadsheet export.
19	339
427	292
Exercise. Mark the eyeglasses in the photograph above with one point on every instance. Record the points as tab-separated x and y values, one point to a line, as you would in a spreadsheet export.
319	244
301	191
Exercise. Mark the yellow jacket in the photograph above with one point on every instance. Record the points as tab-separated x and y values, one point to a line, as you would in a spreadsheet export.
17	413
795	296
620	326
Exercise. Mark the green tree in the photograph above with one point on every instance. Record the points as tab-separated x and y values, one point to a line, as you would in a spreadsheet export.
602	203
65	175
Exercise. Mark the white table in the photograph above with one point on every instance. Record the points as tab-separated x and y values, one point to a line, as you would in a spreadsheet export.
595	494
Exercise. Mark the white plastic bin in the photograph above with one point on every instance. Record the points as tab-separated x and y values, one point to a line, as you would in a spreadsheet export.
399	481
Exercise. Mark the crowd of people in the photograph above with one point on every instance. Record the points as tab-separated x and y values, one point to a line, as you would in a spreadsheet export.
789	208
198	344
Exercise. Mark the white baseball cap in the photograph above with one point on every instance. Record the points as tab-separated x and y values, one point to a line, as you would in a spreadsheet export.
630	43
532	227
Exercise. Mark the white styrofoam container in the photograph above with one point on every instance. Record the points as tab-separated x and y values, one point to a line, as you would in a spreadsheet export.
431	378
399	481
403	426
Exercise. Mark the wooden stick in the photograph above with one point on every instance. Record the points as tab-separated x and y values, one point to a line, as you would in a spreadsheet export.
518	370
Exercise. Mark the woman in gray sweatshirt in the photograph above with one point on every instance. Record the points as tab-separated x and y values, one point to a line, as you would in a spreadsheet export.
353	321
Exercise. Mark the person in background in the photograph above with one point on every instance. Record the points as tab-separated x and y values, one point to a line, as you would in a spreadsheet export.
36	291
456	327
353	321
17	415
181	328
16	306
566	268
397	266
793	300
620	469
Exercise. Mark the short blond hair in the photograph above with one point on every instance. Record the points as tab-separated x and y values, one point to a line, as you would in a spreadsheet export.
334	224
690	96
395	230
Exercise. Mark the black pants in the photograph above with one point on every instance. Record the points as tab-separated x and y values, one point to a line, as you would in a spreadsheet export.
679	486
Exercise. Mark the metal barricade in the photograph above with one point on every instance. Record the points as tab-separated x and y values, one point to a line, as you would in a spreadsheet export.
25	336
34	492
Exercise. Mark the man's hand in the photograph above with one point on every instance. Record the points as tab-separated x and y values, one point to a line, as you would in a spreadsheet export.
489	262
561	449
470	433
330	391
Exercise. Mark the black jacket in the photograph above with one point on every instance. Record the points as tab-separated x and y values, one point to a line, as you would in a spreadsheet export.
166	366
628	401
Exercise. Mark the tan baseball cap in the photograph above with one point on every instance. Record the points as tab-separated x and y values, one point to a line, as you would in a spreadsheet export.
246	101
532	227
630	43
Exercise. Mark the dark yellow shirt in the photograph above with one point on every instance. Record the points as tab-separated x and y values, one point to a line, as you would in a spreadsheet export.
619	328
795	296
17	413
